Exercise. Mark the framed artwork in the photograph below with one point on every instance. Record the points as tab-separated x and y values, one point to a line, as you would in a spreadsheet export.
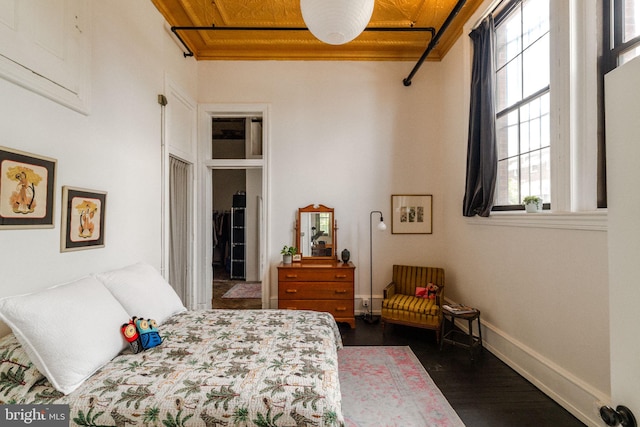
27	189
411	214
83	218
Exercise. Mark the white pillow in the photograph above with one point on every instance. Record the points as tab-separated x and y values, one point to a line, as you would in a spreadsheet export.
143	292
69	331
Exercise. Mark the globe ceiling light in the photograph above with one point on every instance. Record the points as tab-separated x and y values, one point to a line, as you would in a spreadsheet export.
336	21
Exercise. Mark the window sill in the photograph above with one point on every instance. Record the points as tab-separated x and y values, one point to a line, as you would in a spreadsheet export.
592	221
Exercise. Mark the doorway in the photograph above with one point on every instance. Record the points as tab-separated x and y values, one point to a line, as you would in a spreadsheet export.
236	208
236	200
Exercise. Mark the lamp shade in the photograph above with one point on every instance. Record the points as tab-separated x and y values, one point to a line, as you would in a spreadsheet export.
336	21
382	226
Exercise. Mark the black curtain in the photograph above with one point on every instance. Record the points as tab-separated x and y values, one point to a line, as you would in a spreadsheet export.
482	162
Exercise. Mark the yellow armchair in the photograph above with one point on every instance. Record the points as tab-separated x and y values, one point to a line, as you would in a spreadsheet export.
401	305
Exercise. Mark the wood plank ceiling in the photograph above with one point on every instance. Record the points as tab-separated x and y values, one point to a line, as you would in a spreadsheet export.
302	45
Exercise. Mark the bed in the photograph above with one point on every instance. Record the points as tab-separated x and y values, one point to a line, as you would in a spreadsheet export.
213	368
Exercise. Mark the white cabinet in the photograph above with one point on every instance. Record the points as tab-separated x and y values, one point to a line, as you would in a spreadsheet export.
45	47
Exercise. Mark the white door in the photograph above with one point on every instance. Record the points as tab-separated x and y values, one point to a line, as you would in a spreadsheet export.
179	153
622	91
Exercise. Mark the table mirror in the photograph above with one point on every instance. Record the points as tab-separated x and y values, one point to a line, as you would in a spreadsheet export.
316	233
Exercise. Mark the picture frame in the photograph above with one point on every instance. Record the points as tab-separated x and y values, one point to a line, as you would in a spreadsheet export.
411	214
83	219
27	189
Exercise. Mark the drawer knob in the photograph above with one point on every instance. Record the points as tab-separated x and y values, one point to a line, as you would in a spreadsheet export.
292	308
341	276
291	276
341	291
341	308
291	291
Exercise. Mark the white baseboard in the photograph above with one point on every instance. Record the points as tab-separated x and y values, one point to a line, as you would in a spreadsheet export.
570	392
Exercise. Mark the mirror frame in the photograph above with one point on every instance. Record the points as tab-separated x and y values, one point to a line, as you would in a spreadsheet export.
318	209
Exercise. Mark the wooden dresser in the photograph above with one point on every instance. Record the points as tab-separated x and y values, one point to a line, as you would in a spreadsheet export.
326	286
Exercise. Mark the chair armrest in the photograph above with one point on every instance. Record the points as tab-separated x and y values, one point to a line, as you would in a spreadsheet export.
389	290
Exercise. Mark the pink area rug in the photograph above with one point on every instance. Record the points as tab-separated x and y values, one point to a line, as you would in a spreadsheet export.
245	290
388	387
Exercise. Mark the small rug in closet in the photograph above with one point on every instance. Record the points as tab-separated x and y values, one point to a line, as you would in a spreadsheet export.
245	290
387	386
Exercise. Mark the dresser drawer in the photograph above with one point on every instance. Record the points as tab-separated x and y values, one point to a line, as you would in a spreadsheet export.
315	275
326	287
315	290
338	308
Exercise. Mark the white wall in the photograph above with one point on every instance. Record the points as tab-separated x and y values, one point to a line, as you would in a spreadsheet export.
347	135
253	222
543	293
116	148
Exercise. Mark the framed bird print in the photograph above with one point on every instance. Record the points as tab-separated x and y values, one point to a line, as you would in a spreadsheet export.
83	219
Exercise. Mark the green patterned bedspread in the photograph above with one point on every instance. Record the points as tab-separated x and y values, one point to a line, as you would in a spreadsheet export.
217	368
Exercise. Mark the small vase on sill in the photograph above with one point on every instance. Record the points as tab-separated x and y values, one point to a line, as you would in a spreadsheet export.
532	208
532	204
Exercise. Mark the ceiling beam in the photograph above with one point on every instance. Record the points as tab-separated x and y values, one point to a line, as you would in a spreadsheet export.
189	52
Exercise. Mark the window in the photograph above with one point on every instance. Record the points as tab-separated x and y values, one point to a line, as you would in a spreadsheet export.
620	44
523	104
621	31
324	220
236	137
547	125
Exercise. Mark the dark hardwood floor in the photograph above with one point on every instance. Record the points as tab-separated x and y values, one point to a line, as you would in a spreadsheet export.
221	284
219	289
484	392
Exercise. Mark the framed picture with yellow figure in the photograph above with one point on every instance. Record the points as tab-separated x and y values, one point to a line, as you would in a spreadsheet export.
83	219
27	189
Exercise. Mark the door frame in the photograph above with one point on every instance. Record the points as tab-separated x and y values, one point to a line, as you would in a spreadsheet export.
178	139
204	195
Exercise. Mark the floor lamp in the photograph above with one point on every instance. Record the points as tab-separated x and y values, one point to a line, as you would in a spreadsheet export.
381	227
